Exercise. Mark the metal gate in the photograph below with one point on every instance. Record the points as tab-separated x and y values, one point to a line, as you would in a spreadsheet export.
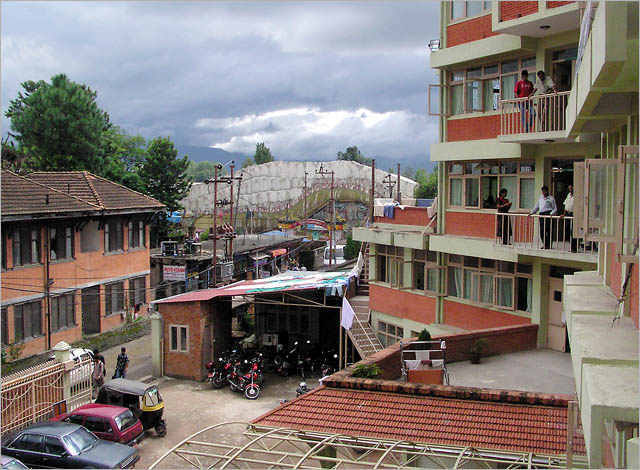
91	310
29	396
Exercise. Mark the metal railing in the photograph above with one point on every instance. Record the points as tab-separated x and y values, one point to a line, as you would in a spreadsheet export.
540	232
539	113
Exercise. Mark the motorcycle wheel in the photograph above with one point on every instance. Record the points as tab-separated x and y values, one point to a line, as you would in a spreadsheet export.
217	382
270	368
284	372
277	360
161	430
252	391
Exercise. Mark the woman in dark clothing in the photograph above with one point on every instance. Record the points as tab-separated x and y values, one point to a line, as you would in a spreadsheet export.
503	205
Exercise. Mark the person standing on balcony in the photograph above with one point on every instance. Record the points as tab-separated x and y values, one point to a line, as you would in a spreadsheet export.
568	226
547	206
504	223
524	89
545	86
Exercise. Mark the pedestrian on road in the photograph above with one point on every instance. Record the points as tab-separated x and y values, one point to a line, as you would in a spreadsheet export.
96	353
97	376
122	364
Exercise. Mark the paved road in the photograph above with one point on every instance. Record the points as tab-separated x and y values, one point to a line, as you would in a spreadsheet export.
139	352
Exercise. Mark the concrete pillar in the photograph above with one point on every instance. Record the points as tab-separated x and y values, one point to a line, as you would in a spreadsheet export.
373	269
62	356
633	453
157	334
407	268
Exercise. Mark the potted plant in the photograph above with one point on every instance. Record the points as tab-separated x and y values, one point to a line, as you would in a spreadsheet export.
424	335
476	350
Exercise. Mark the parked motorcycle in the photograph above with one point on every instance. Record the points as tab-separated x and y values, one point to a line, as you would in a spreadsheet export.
246	383
292	361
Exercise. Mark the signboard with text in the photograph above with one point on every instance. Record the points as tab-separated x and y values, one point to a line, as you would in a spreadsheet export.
173	273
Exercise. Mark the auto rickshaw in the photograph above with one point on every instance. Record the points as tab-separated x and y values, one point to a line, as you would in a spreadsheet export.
142	399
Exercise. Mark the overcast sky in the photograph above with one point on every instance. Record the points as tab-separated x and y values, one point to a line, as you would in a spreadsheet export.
307	78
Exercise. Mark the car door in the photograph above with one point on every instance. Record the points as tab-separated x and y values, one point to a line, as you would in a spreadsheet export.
28	449
55	453
99	426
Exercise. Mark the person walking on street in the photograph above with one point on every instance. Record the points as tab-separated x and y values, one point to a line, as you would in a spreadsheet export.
568	226
122	364
97	376
96	353
524	89
504	224
547	206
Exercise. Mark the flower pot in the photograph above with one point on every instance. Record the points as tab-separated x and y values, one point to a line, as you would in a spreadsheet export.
474	358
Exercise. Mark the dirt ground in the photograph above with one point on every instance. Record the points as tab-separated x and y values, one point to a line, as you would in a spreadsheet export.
192	406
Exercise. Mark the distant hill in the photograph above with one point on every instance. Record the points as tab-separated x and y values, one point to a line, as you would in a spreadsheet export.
200	154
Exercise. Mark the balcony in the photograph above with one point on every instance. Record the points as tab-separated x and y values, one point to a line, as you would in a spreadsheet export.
536	119
525	233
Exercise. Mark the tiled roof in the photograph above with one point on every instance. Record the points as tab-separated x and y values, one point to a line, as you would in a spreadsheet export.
95	189
21	196
426	419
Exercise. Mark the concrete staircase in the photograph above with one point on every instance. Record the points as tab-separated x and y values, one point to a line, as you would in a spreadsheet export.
361	333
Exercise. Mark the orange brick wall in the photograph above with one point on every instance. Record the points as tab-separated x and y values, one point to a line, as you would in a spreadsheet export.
483	127
402	304
516	9
407	216
471	224
558	3
183	364
471	30
471	317
85	268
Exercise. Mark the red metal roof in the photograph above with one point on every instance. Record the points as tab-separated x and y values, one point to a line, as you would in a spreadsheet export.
430	420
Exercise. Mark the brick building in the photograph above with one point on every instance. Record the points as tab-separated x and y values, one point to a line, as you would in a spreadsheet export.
470	267
89	237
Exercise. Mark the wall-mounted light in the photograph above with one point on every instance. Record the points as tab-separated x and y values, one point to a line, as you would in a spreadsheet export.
545	27
434	45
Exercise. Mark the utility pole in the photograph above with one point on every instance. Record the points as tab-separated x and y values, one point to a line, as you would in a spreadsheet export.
305	195
388	180
399	197
227	236
332	203
373	189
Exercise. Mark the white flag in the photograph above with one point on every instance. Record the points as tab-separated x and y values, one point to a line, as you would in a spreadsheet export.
347	314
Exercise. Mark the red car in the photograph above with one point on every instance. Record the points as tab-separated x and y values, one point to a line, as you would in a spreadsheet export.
108	422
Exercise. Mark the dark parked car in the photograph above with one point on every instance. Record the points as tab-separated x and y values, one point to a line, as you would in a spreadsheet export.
112	423
66	445
11	463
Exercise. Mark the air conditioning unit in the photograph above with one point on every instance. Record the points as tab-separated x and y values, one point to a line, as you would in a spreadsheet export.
224	271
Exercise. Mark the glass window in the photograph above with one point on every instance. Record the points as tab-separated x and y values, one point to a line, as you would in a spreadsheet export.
53	446
457	76
474	95
79	441
566	54
508	86
509	168
27	320
125	420
5	327
456	169
432	279
457	9
29	442
471	192
455	194
475	72
510	183
179	338
114	297
525	288
504	291
468	274
454	281
492	94
489	191
418	275
510	66
474	7
491	69
62	312
527	167
483	288
527	193
456	100
528	63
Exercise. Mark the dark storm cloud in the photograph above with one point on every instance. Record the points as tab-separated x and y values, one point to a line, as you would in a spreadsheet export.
189	69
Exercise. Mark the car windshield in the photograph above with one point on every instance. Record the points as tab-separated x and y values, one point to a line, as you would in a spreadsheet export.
125	420
152	397
79	441
13	465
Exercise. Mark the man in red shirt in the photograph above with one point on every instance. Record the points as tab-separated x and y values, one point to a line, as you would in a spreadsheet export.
524	89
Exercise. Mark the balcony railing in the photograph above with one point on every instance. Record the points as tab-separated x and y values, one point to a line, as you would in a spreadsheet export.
540	232
540	113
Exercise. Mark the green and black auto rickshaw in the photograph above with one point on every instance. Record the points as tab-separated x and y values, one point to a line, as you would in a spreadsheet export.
142	399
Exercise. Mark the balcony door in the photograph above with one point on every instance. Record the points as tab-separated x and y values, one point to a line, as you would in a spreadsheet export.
556	328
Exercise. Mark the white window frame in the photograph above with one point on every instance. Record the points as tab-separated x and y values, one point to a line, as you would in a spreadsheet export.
181	348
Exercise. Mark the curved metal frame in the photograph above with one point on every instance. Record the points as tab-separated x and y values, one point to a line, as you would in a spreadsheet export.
350	452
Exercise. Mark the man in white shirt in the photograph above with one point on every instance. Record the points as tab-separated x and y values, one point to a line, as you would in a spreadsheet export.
544	86
568	212
547	206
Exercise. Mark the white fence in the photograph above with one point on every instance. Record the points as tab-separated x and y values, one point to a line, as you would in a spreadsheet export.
540	113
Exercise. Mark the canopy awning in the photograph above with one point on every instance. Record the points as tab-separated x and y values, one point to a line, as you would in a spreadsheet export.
259	256
278	252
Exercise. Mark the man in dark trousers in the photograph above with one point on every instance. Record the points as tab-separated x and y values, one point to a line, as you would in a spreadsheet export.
524	89
547	206
100	357
122	364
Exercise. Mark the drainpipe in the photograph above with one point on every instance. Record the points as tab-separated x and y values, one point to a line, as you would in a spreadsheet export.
48	281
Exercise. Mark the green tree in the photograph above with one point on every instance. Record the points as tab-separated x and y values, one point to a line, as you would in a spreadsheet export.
352	154
201	171
59	125
262	155
427	184
124	157
164	174
248	162
351	249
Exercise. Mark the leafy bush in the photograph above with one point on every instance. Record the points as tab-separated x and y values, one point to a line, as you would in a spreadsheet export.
204	235
479	346
424	335
351	249
367	371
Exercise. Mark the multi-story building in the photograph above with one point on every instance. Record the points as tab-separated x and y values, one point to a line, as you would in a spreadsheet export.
470	267
75	257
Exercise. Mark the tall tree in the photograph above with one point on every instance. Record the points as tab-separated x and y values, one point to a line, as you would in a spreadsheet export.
353	154
164	174
124	157
427	184
201	171
263	154
59	125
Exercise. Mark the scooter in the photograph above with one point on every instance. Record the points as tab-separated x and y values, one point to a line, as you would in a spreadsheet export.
292	361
